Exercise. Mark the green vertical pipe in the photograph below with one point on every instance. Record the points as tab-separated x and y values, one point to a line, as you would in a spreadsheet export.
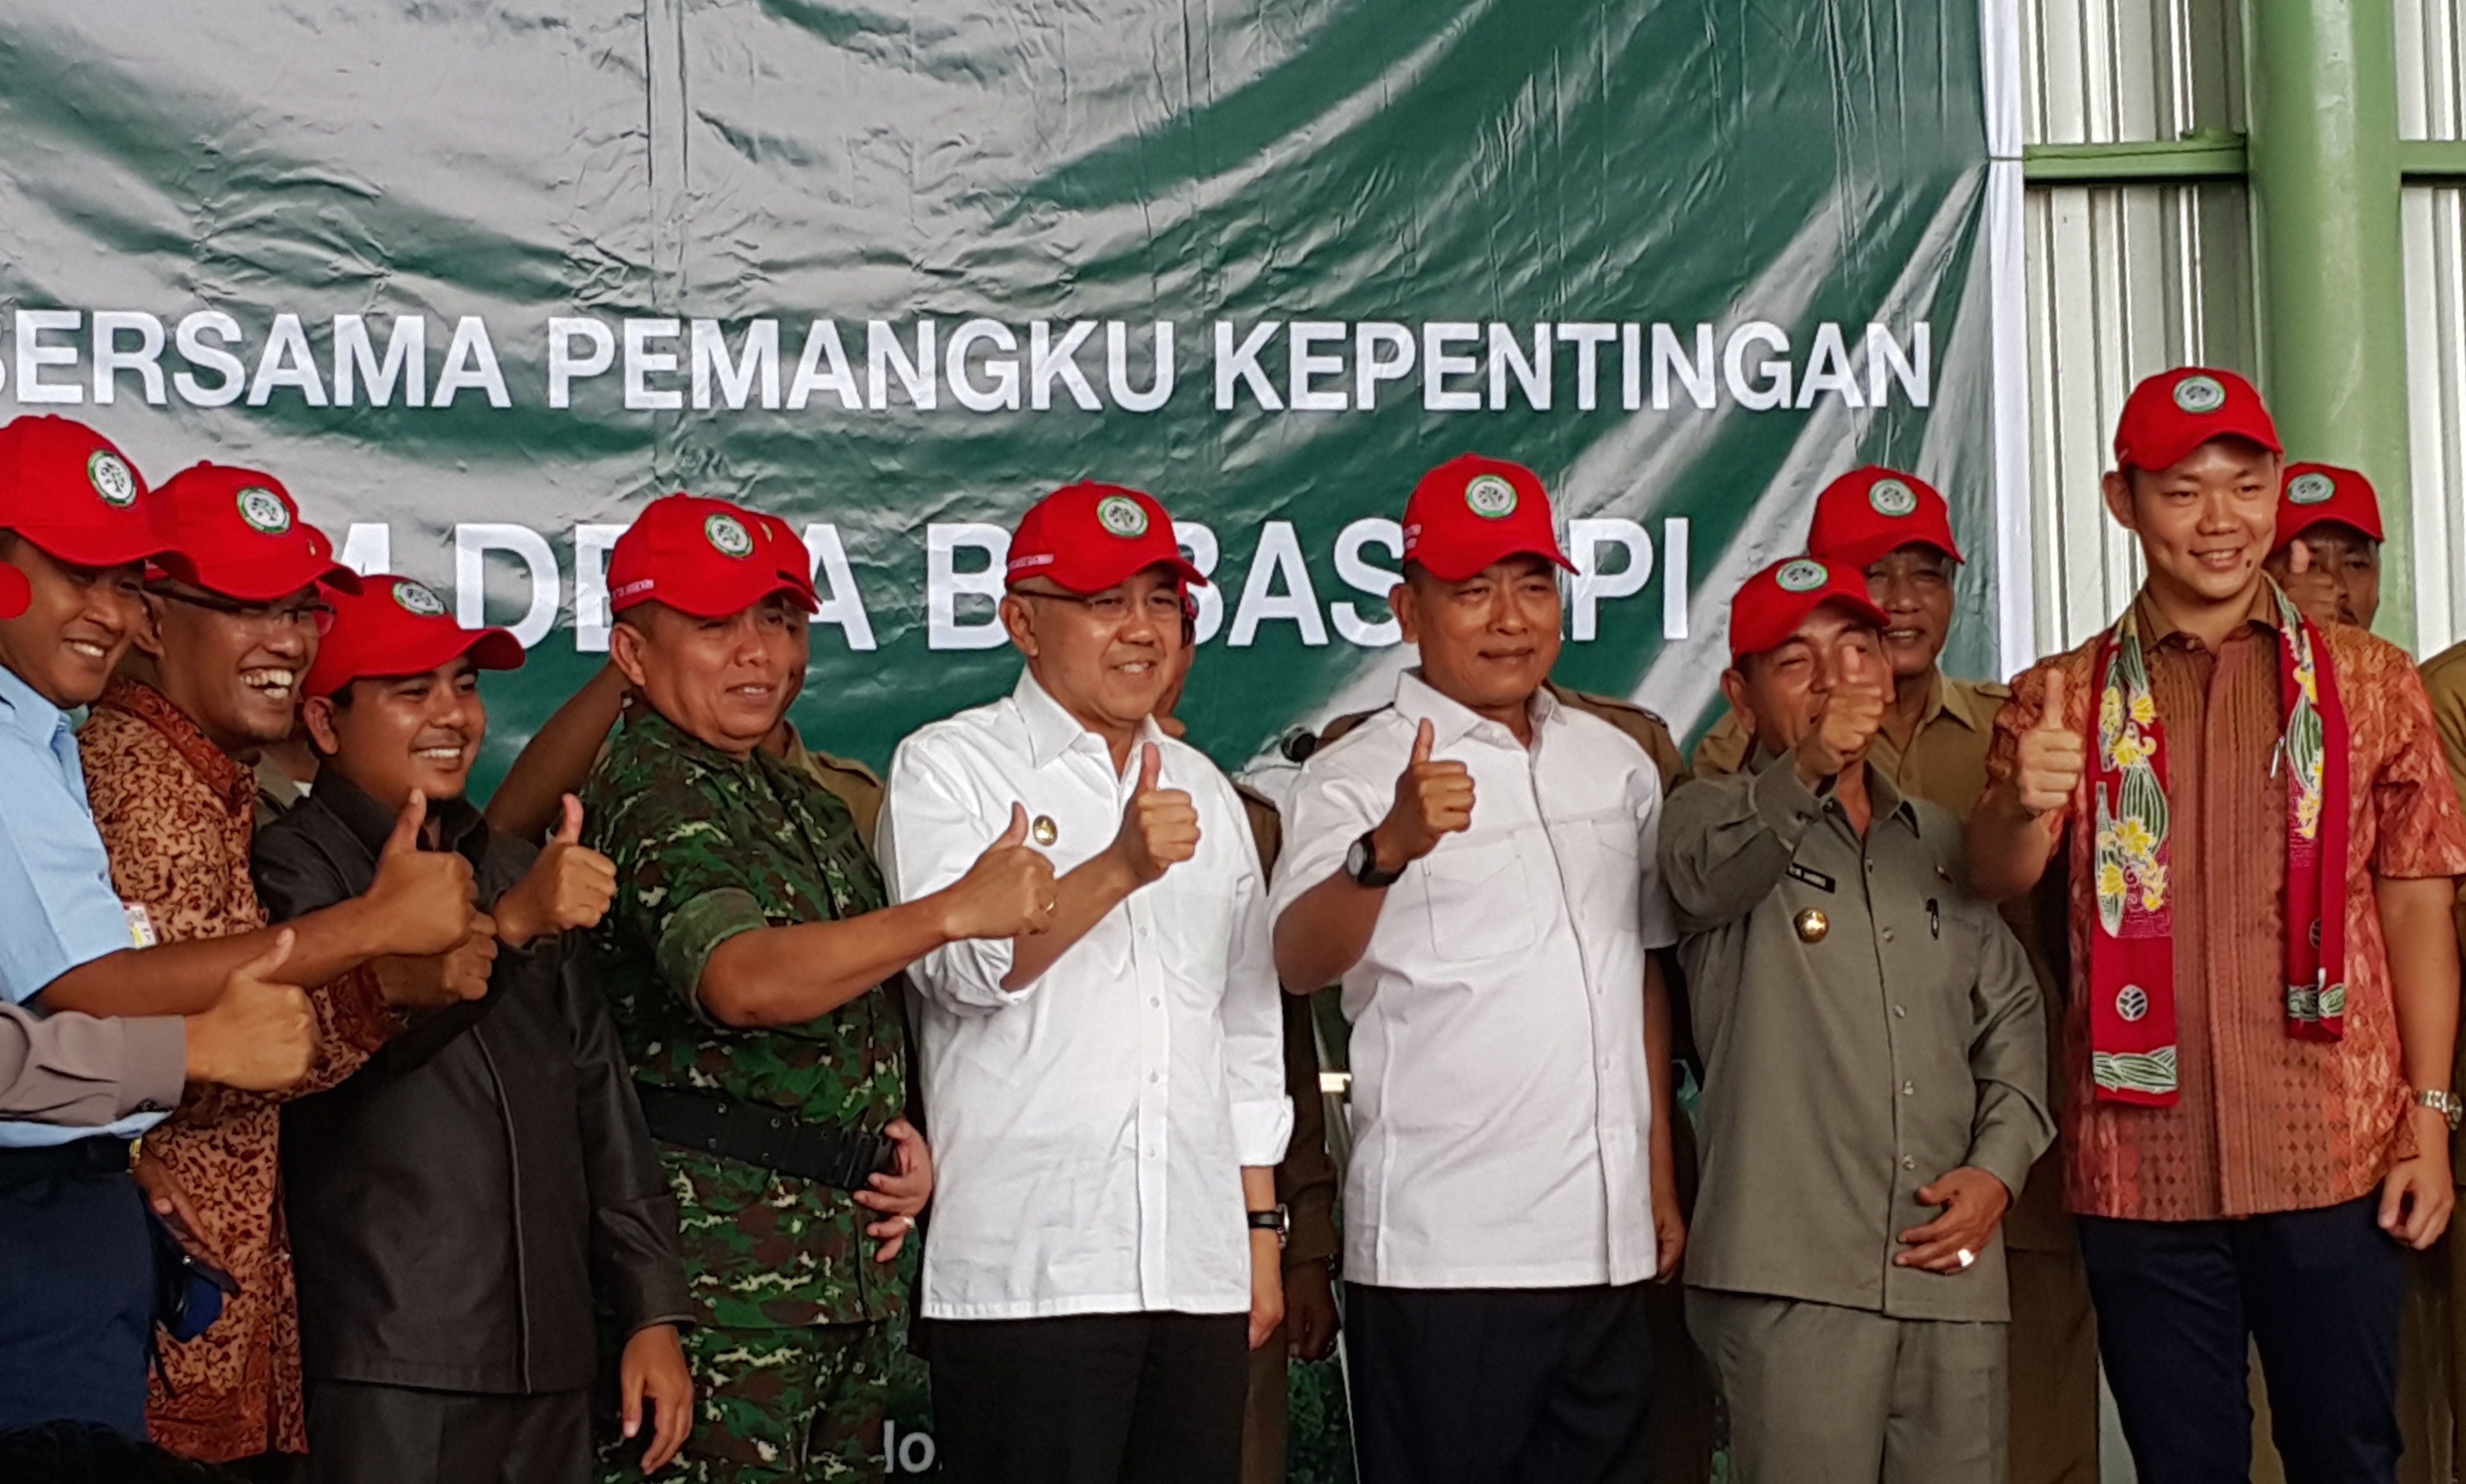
2332	314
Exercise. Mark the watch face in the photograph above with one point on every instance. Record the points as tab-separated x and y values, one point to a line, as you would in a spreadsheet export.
1357	858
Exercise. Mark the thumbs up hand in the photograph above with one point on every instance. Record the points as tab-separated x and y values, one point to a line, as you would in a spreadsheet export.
1433	797
420	901
2313	587
1159	828
1849	717
569	885
2051	755
260	1034
1009	892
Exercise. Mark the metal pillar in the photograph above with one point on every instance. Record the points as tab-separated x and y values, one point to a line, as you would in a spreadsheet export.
2324	185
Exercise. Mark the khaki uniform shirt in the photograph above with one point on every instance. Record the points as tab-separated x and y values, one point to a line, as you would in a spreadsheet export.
1848	1064
851	782
1306	1179
1945	763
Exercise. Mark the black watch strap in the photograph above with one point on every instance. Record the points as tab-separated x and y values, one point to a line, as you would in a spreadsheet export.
1363	863
1277	1219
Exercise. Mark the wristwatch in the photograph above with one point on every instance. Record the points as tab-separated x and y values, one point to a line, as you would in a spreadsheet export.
1361	863
2446	1104
1278	1220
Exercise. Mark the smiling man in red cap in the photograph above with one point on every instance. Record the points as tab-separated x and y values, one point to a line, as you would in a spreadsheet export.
1874	1084
2261	841
233	613
1109	1094
78	524
753	964
1475	865
431	1358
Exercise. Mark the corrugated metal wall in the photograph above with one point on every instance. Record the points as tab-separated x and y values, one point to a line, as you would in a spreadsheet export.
2122	280
2431	104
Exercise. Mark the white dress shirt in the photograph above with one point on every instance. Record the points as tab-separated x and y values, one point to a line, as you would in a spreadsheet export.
1501	1111
1090	1128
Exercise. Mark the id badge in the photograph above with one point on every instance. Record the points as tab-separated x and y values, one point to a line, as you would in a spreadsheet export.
140	927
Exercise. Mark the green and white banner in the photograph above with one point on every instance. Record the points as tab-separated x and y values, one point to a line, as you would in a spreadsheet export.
477	281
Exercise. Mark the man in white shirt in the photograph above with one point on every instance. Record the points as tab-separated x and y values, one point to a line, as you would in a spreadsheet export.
1107	1096
1477	865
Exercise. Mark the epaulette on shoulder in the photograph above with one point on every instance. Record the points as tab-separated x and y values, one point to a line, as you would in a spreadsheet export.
1597	701
1342	727
847	765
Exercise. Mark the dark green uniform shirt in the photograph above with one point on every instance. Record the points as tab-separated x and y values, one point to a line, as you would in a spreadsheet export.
708	847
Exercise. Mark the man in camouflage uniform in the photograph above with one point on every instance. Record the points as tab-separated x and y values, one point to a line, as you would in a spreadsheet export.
754	968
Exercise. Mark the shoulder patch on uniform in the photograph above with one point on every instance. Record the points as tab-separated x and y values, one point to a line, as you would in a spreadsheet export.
1344	725
848	765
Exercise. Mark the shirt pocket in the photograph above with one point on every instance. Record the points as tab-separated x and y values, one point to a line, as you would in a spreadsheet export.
1604	865
1480	902
1193	915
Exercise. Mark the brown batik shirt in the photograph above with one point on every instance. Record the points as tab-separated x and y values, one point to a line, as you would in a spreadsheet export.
176	817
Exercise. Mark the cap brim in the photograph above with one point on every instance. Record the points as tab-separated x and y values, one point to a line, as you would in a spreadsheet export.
82	548
1096	580
2311	518
719	602
1863	554
1460	571
2149	460
14	594
262	581
489	649
1777	635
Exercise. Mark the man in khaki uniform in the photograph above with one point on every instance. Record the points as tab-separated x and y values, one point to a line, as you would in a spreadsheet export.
1874	1049
1897	530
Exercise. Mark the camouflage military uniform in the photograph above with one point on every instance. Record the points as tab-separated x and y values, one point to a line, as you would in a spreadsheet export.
798	1326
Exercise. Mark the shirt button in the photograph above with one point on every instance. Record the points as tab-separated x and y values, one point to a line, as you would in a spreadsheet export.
1870	867
1900	1012
1888	935
1908	1163
1154	1001
1155	1076
1909	1089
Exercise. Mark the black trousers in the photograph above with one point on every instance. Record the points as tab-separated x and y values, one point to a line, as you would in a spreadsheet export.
370	1434
1091	1399
2180	1306
1486	1385
77	1296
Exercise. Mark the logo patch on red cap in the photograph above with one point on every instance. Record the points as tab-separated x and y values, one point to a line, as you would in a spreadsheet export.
414	598
728	536
2200	394
263	510
1800	577
112	479
2310	489
1892	497
1489	497
1121	515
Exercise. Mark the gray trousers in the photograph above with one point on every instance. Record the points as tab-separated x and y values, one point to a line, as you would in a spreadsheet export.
373	1434
1819	1394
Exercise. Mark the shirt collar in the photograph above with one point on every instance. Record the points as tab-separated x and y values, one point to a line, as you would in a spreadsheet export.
27	710
1451	720
460	827
2156	629
218	771
1052	731
1884	798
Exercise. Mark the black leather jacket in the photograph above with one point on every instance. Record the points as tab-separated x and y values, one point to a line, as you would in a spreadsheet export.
454	1205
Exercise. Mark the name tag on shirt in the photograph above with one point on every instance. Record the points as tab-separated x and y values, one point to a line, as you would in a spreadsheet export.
1813	878
140	927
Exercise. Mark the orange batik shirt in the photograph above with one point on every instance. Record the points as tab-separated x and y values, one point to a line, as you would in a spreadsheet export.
176	816
2263	1121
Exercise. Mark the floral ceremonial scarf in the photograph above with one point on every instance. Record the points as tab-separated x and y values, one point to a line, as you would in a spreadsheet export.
2132	948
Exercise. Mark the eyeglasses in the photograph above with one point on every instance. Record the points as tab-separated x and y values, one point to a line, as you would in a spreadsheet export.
1162	606
292	616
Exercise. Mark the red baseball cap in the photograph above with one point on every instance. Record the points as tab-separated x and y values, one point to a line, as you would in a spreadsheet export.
1867	512
15	594
1472	511
238	532
390	626
2317	492
1775	602
2171	413
1088	536
708	559
64	487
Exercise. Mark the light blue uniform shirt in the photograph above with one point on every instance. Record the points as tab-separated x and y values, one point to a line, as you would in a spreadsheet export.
56	906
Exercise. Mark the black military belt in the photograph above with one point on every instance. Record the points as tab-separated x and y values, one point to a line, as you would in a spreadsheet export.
772	1137
84	1159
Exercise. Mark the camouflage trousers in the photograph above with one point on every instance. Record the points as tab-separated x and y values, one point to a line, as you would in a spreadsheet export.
782	1407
